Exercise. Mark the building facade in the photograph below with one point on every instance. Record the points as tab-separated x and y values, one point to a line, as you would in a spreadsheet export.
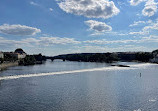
20	53
20	56
14	56
1	55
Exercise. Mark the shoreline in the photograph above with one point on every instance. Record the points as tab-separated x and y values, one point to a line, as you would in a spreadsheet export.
8	64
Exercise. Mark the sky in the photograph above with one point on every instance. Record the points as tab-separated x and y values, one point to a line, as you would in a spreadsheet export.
54	27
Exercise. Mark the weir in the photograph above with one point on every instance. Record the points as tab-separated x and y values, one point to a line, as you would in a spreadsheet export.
63	72
76	71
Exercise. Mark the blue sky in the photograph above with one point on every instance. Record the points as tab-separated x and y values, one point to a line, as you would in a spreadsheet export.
53	27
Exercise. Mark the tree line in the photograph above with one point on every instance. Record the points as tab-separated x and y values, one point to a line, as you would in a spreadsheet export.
108	57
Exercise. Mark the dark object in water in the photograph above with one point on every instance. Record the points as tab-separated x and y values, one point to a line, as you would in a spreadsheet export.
121	65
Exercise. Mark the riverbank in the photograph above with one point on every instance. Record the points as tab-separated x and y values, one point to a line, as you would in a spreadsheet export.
8	64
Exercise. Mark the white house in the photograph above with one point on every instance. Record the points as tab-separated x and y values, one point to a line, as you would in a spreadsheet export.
1	55
20	53
20	56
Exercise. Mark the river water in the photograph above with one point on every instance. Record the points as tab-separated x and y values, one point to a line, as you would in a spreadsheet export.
79	86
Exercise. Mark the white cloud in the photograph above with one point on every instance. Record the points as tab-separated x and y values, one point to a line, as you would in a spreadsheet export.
136	2
80	46
104	41
152	25
119	33
137	23
33	3
6	43
51	9
90	8
98	27
151	39
57	40
139	33
149	21
18	29
103	49
150	8
89	48
41	41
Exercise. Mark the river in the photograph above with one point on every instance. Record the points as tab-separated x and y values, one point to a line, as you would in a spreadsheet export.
79	86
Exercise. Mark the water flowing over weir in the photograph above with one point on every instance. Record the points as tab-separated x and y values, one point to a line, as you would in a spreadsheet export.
75	71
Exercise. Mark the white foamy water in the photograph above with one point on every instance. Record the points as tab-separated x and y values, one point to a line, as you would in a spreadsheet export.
152	100
75	71
142	65
63	72
138	110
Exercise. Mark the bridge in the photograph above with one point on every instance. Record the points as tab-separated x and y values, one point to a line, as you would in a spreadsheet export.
56	57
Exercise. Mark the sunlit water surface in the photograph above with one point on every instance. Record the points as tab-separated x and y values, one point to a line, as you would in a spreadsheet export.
110	89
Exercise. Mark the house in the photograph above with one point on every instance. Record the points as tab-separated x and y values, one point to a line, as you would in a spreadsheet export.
13	56
10	56
20	54
1	55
